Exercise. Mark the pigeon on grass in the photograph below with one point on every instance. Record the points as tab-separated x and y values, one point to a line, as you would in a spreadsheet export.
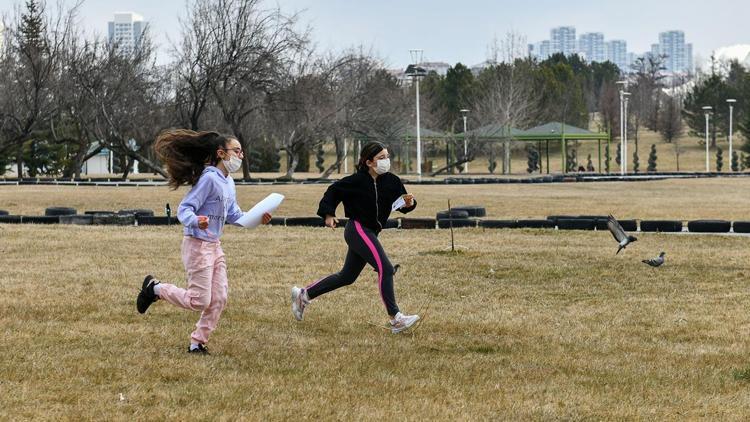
655	262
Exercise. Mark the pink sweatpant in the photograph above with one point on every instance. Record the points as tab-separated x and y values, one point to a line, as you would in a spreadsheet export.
207	285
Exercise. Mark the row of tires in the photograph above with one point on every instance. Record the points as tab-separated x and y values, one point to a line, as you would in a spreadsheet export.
696	226
462	216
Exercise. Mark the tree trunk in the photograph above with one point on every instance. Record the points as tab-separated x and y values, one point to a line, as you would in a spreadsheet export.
454	164
19	160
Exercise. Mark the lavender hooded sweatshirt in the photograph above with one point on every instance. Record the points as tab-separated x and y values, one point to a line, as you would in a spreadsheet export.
213	196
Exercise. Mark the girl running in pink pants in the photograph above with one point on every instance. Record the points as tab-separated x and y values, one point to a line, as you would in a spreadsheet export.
203	160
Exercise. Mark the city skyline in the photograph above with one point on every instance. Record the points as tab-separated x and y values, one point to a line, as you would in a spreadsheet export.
592	47
454	34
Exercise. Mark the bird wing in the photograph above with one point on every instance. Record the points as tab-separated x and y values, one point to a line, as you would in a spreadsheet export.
616	229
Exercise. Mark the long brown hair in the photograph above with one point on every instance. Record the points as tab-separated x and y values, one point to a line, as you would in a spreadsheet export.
369	151
186	153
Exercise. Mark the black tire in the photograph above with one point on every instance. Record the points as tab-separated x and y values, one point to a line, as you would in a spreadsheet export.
741	226
305	222
535	224
10	219
709	226
627	225
60	211
137	212
277	221
392	223
473	210
661	226
77	219
150	220
554	218
40	219
113	219
498	224
576	224
456	222
99	212
454	214
3	212
417	223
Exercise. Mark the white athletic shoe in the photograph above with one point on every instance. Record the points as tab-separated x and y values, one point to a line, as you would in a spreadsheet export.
299	301
402	322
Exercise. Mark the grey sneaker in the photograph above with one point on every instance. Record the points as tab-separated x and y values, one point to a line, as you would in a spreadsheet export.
402	322
299	301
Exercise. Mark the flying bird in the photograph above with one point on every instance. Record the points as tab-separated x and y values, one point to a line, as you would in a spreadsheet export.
619	234
655	262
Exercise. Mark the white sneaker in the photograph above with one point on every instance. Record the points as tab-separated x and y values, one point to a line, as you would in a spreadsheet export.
299	301
401	322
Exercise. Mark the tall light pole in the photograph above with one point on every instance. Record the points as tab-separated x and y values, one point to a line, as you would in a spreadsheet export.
707	112
731	102
464	112
417	72
623	88
625	95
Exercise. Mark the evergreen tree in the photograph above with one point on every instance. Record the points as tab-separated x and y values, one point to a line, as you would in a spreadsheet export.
320	158
618	157
652	159
606	158
533	160
636	163
719	159
589	164
735	161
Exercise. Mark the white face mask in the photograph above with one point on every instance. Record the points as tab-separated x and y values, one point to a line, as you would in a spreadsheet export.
232	164
384	166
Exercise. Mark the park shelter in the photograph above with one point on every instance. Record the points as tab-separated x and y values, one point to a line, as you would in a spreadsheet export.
556	131
552	131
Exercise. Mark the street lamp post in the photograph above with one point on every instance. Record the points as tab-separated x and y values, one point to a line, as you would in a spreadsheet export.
731	102
624	87
707	112
417	72
464	112
624	157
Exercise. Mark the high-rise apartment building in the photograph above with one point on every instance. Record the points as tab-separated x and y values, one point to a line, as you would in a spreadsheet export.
591	47
126	31
617	53
677	54
563	40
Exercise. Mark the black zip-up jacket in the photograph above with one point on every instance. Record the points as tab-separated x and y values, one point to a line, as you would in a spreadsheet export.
360	193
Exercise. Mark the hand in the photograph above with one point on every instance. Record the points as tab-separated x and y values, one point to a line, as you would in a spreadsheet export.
409	199
266	218
202	222
331	221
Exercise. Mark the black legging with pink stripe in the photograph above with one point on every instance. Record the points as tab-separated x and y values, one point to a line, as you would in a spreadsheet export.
364	248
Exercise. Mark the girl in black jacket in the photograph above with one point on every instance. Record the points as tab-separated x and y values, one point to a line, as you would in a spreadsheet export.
368	196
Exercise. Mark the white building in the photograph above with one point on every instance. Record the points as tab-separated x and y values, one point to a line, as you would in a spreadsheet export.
617	53
563	40
678	56
126	31
591	47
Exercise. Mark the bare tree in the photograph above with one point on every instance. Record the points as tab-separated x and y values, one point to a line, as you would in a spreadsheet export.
507	98
30	66
130	95
243	48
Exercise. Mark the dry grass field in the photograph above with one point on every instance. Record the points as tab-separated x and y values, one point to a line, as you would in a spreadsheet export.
519	324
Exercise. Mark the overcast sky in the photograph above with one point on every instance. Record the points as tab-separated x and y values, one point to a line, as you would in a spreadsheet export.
459	31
